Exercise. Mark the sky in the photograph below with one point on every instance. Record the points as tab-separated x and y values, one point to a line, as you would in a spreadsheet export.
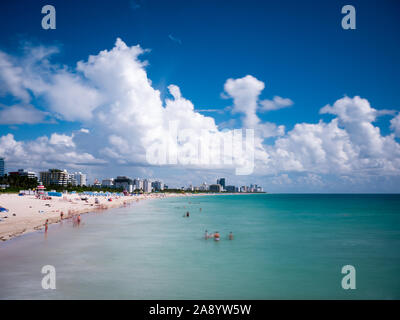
101	92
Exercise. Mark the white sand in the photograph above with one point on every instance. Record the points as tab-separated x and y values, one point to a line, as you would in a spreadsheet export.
31	213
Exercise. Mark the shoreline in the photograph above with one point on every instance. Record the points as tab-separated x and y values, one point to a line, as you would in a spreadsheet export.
28	214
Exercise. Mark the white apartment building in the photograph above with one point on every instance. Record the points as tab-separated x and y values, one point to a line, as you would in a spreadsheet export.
147	186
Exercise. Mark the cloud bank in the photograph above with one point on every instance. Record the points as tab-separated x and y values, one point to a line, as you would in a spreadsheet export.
111	96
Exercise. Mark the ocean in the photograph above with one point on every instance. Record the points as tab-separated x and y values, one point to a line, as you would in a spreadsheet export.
285	246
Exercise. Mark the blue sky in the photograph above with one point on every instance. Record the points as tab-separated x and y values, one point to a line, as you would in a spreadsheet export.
296	48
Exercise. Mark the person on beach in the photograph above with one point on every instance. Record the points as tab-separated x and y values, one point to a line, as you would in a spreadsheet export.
46	225
78	219
230	235
62	215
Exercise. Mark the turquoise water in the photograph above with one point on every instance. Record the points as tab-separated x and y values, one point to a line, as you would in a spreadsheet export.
285	247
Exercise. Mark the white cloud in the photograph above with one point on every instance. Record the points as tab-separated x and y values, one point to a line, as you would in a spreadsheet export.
275	104
62	139
20	114
348	144
395	125
245	92
11	78
111	94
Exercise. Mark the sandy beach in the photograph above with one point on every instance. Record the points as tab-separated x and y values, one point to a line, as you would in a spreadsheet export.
27	213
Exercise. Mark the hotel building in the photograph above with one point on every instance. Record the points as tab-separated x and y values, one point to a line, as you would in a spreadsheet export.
54	177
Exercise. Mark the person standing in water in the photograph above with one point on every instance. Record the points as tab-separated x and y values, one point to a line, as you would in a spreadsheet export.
206	236
78	220
230	235
46	225
187	214
216	236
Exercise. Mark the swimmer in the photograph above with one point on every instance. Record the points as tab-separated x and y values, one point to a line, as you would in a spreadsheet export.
230	235
200	209
187	214
206	236
216	236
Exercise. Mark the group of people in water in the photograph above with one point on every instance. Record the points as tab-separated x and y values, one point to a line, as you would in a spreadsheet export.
216	236
76	220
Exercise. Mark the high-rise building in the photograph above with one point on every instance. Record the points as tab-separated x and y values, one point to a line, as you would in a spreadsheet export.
80	178
108	182
215	188
138	184
54	177
157	185
71	179
204	187
24	173
123	182
2	167
147	186
231	188
221	182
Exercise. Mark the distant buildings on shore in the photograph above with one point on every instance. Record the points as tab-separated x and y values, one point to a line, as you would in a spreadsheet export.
24	173
221	187
63	178
131	185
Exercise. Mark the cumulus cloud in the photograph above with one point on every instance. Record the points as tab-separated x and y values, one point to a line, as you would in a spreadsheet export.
21	114
276	103
348	144
65	93
245	93
395	125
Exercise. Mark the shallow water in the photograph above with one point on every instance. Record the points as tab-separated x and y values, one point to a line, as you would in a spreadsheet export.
285	247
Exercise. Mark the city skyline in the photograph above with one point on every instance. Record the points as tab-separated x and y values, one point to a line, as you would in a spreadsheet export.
62	177
325	117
